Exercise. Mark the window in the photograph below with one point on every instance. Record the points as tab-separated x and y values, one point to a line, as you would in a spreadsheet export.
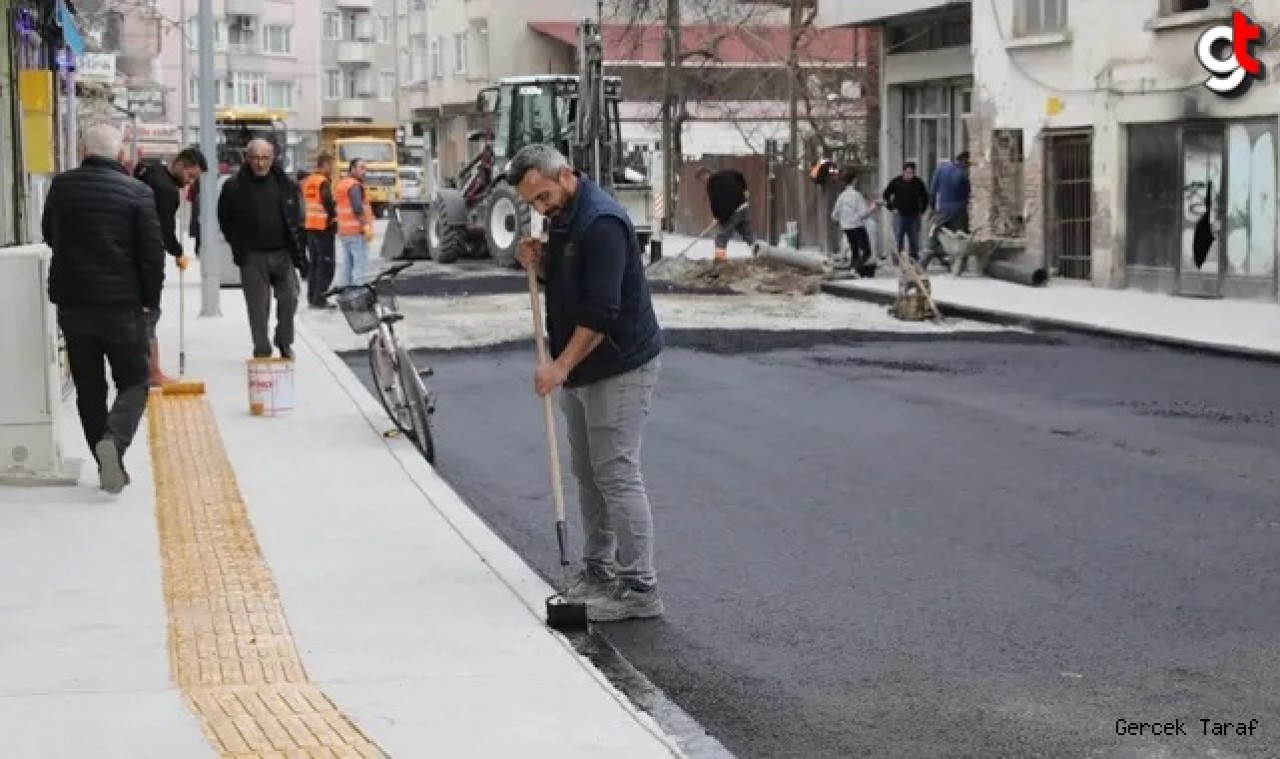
460	53
193	93
387	86
277	39
1168	7
280	95
417	71
357	26
935	124
248	89
1032	17
357	84
193	34
332	84
921	36
384	29
433	55
242	34
332	25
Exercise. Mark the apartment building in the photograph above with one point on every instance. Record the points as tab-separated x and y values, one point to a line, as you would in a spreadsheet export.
472	43
1102	149
411	40
267	56
359	59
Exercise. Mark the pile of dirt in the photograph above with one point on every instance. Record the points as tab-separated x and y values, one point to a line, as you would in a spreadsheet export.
748	276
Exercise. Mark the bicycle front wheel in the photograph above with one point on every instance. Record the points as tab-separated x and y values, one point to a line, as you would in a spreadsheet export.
418	401
386	380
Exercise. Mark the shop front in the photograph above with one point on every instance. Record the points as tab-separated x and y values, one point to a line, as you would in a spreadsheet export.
1200	207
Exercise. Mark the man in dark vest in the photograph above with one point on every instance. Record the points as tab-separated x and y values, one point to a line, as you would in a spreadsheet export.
605	340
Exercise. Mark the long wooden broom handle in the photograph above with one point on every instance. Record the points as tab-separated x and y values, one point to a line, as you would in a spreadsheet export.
548	415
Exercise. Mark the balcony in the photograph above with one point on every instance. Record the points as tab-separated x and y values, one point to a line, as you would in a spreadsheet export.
415	96
352	108
350	5
355	53
865	12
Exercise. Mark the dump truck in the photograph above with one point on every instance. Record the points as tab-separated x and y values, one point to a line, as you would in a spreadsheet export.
236	127
376	145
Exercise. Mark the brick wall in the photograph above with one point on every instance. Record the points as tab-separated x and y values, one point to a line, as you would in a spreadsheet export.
1007	179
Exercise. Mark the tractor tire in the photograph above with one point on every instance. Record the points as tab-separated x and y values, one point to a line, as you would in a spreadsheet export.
453	243
506	218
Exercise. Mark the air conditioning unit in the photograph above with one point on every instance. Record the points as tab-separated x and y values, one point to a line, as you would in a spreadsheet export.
31	375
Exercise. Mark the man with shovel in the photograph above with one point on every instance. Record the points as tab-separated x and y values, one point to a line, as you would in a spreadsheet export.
605	340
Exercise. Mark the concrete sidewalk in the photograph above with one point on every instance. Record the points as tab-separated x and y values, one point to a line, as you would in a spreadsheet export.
415	626
1236	327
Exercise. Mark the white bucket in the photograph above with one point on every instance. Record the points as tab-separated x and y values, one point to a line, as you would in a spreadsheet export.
270	386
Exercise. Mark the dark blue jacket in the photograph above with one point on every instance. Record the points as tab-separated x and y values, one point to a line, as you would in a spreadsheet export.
595	279
950	188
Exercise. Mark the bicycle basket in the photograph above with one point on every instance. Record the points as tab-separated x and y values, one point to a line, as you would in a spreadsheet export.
359	306
386	295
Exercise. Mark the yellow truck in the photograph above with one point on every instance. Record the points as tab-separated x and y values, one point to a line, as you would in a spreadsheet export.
376	144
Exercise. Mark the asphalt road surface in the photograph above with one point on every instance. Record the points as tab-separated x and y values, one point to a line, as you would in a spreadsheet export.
878	547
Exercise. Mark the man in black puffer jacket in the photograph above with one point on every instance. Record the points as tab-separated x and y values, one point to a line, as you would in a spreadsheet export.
107	273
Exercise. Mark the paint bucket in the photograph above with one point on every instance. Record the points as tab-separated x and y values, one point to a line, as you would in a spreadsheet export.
270	386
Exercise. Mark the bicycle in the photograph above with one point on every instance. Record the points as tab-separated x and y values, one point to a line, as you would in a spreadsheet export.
401	386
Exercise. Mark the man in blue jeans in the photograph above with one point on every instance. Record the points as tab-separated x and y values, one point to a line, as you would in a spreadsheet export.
908	198
605	340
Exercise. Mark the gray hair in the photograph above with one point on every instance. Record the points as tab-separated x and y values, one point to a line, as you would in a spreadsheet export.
541	156
260	142
102	140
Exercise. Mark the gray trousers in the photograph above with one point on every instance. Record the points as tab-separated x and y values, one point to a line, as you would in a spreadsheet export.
264	273
606	422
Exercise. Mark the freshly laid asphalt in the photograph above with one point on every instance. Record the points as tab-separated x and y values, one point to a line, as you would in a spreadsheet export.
872	546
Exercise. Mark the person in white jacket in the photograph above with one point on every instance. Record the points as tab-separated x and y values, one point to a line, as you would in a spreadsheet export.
851	212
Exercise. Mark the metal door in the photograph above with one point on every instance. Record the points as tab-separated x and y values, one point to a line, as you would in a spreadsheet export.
1069	218
1200	262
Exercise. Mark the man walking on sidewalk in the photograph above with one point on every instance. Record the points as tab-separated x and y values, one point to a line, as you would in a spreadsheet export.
908	198
727	195
605	340
106	276
322	226
949	200
261	217
167	183
355	226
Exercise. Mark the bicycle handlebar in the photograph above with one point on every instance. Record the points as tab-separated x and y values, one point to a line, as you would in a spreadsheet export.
390	272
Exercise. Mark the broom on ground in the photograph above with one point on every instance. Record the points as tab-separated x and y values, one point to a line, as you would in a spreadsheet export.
182	386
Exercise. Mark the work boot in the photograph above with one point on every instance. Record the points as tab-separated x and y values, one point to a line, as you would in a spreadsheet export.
587	585
625	603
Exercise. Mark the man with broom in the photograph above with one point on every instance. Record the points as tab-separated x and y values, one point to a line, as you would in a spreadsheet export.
105	278
605	341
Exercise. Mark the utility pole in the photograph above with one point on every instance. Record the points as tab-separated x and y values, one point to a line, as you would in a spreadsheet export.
185	28
210	265
670	102
793	75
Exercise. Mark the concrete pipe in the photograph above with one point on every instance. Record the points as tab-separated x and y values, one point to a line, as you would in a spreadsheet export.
1020	274
801	259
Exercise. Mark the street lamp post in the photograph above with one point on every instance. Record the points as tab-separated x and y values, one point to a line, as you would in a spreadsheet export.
210	265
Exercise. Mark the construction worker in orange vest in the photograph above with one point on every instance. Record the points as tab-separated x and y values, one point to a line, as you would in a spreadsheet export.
355	226
321	223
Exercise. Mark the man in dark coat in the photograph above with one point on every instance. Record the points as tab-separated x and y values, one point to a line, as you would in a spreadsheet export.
260	214
166	183
106	276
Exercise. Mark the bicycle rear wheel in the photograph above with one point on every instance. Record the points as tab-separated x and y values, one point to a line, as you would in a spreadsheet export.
386	380
418	402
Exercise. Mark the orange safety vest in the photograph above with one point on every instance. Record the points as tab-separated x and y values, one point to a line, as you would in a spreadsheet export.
317	217
348	223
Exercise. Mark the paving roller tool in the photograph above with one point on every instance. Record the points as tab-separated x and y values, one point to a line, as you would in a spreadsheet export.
182	385
562	614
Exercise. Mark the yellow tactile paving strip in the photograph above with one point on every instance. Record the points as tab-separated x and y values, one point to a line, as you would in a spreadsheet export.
230	649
